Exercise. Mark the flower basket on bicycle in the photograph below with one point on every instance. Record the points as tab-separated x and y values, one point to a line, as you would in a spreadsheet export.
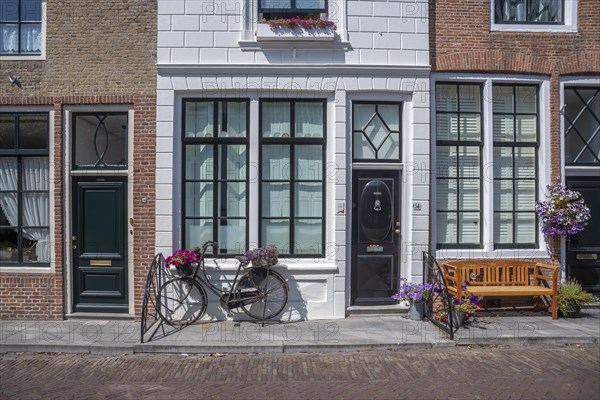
263	256
183	261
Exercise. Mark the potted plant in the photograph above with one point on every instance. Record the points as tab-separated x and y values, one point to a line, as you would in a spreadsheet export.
564	213
465	307
182	261
7	250
262	256
571	297
416	294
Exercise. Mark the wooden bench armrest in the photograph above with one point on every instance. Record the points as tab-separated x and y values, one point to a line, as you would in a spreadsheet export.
553	278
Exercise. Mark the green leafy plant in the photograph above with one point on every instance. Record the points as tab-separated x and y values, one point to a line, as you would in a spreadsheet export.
571	297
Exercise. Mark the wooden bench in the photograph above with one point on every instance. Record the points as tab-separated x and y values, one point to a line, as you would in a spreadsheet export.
503	278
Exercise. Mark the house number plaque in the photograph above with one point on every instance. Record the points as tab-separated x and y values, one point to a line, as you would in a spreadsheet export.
100	263
587	256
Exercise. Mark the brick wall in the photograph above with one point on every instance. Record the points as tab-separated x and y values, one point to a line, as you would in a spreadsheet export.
96	53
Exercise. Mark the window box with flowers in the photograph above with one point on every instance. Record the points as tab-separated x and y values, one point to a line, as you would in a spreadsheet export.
296	29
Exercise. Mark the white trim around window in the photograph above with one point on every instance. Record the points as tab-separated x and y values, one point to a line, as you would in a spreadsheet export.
36	57
569	24
543	172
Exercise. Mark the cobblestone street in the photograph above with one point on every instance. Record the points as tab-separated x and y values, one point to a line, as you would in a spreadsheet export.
571	372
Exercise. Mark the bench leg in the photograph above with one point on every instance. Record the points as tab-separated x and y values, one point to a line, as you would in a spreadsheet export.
536	303
554	307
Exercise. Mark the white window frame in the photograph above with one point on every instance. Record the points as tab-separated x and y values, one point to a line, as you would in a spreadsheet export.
487	155
568	26
37	57
52	268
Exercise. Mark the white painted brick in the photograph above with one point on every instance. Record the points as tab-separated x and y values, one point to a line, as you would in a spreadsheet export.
422	58
163	56
164	144
421	131
179	82
352	57
401	25
314	83
170	39
320	57
200	7
164	175
171	7
235	23
185	56
391	9
360	40
164	239
421	25
194	82
421	115
165	128
301	82
213	56
379	83
164	223
353	24
164	97
415	42
209	23
373	57
373	24
236	56
339	284
164	192
365	83
402	57
199	39
350	83
394	83
185	23
164	22
360	8
227	39
387	41
416	10
163	82
164	113
164	207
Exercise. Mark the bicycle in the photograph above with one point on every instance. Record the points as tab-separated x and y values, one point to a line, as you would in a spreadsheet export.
261	293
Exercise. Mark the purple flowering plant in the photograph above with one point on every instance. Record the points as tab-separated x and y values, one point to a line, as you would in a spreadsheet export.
468	303
564	213
412	292
182	257
306	23
262	256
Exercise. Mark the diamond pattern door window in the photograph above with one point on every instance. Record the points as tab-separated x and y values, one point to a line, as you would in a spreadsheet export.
376	131
582	126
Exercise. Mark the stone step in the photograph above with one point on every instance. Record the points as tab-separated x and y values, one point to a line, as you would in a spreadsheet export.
376	309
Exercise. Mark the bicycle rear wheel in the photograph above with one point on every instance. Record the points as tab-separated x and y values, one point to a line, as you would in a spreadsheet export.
270	293
181	301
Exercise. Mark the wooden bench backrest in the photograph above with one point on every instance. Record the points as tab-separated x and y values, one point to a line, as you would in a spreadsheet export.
492	272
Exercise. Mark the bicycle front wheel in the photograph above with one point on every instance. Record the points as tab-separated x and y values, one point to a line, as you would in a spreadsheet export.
267	293
181	301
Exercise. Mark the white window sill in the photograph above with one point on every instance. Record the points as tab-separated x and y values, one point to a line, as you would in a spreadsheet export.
23	58
265	33
533	28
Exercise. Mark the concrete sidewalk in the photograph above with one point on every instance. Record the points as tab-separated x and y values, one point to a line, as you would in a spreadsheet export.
352	333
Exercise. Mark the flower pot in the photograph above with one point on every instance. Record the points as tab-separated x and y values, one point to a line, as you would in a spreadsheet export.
185	269
573	314
416	311
458	318
263	262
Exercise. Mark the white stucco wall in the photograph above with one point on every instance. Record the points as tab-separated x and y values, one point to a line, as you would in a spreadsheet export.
207	49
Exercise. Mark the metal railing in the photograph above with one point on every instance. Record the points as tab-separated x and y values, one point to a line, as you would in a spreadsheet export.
439	308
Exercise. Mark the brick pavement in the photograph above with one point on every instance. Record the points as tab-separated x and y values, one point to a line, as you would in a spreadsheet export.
455	373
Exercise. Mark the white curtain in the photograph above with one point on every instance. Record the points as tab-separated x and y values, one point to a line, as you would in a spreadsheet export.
9	38
36	209
236	120
309	119
276	120
31	38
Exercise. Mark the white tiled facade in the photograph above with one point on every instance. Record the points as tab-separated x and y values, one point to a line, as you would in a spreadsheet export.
208	49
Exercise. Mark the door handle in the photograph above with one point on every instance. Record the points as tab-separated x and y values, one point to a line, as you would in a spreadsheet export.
397	231
74	238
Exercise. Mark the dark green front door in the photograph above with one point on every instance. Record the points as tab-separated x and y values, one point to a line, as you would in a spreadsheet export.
583	249
99	242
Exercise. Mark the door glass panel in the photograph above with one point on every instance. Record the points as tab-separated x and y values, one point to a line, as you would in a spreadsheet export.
101	141
582	125
376	131
390	149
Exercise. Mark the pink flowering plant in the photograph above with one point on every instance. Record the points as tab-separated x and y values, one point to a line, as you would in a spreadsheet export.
182	257
308	23
412	292
564	213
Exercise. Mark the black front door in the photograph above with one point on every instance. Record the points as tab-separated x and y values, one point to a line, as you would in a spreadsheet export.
375	236
99	244
583	250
